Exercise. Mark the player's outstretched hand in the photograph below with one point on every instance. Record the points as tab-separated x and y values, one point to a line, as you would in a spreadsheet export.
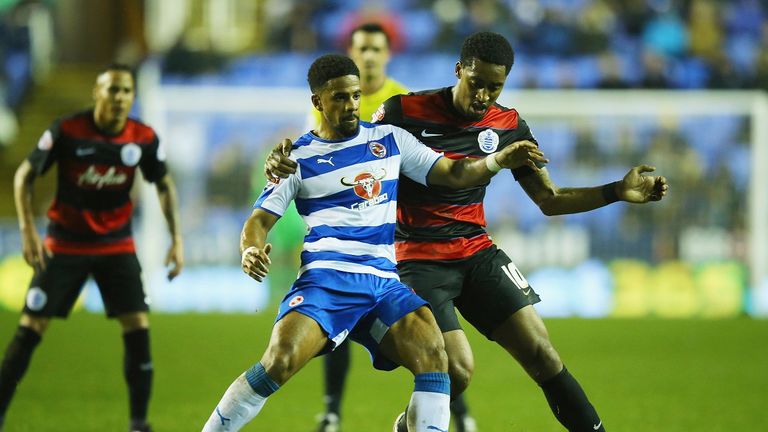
256	261
175	259
278	165
639	188
34	250
521	153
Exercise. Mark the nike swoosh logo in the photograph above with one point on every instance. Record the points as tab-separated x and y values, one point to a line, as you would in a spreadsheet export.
526	292
436	428
85	151
426	134
597	426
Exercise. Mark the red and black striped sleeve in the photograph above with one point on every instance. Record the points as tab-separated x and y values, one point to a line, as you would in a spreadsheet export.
45	152
152	162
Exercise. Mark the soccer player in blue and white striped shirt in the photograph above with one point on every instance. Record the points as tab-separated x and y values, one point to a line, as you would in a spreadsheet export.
345	189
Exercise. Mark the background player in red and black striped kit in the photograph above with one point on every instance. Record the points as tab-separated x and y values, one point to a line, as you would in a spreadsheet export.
443	251
89	233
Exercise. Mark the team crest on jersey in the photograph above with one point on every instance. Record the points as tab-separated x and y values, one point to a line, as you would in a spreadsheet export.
45	142
488	140
36	299
377	149
130	154
297	300
379	114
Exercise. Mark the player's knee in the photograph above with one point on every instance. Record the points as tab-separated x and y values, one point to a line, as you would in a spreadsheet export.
543	360
36	323
461	374
432	356
281	361
133	321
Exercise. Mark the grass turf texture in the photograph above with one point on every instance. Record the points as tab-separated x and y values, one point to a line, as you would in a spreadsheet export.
663	375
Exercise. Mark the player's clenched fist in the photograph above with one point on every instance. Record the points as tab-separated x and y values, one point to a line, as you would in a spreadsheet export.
255	261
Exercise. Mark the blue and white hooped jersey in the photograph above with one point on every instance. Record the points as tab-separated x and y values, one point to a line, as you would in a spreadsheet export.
346	192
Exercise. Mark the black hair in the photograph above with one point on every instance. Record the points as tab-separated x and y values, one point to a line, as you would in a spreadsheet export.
120	67
488	47
370	27
328	67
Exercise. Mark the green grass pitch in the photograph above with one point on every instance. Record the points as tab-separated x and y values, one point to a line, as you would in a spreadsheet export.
642	375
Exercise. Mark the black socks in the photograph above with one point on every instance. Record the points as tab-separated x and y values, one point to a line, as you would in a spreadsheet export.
570	405
15	363
336	369
138	373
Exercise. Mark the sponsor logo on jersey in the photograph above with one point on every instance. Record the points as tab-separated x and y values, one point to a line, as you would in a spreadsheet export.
92	177
297	300
45	142
379	114
488	140
36	299
130	154
367	186
377	149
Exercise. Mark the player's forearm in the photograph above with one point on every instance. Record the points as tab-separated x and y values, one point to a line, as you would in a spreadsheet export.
166	192
22	195
464	173
574	200
254	234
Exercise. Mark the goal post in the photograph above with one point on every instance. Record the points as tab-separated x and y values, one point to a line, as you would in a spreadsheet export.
711	145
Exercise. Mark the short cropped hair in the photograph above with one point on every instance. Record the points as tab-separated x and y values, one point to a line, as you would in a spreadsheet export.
328	67
370	27
120	67
488	47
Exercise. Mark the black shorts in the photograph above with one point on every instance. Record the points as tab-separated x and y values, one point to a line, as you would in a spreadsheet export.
54	290
486	288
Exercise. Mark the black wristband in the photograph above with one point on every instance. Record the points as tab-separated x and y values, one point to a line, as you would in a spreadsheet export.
609	193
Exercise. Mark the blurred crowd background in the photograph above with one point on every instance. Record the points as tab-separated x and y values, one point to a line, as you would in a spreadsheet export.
691	250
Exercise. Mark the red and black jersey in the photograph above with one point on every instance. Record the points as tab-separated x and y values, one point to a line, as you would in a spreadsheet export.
435	222
91	213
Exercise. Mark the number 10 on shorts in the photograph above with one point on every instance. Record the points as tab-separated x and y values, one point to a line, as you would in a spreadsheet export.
514	274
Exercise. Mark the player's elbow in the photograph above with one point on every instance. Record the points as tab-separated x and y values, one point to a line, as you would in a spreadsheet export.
548	210
548	204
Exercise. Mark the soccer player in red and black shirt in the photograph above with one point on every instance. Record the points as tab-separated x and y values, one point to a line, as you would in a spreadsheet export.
443	250
97	152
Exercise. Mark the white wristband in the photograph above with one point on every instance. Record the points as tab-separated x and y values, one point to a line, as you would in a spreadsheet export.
491	163
248	249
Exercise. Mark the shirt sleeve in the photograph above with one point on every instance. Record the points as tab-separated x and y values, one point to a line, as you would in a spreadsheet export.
526	134
45	153
152	162
390	112
277	197
416	159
